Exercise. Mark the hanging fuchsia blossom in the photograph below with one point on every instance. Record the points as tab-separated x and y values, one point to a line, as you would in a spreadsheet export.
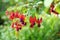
39	21
32	21
22	19
16	14
17	26
52	9
20	22
12	16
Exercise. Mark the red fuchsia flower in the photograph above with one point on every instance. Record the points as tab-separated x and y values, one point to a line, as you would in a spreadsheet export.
22	19
19	27
12	25
12	16
39	21
52	9
32	21
17	14
16	25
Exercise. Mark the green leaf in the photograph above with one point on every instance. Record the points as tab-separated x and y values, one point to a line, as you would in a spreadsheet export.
58	8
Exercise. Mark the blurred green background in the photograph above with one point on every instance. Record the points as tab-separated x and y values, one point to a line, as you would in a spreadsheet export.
50	27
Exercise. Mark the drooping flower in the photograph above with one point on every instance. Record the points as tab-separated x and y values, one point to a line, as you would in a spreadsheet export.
52	9
39	21
12	25
12	16
22	19
17	14
17	26
32	21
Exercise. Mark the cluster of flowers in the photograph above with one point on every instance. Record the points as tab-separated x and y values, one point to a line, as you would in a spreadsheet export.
18	24
33	21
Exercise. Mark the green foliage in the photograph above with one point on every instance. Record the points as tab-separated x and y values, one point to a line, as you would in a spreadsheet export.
58	8
48	30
